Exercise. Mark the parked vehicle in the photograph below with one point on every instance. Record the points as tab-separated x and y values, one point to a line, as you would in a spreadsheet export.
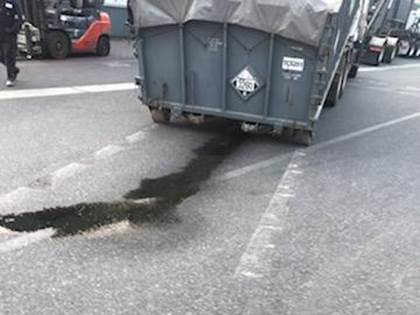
410	38
271	65
386	30
56	28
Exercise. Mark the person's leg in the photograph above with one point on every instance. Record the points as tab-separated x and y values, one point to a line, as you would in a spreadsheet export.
2	54
11	49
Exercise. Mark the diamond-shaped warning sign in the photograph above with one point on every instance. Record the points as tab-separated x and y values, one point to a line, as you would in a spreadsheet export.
246	83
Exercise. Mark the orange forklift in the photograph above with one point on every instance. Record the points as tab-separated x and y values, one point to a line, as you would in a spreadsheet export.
58	28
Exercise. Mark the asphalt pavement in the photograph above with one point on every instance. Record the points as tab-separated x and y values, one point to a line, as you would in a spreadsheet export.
104	212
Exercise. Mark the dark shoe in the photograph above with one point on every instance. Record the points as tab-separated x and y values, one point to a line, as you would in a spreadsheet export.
15	74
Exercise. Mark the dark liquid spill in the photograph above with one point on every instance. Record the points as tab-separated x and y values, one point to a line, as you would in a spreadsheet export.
166	192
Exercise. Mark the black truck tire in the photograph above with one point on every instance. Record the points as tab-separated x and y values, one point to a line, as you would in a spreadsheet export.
379	57
353	71
346	71
390	54
103	47
58	45
160	115
335	91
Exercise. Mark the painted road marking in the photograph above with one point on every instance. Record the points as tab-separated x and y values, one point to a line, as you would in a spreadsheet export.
4	231
136	137
277	160
71	90
19	194
66	172
389	68
256	260
25	240
362	132
108	151
406	91
73	168
285	189
253	167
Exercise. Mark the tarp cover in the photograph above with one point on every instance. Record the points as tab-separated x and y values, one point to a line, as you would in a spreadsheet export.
301	20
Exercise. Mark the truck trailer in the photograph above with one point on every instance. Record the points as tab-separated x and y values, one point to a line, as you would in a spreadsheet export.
410	37
271	65
386	30
57	28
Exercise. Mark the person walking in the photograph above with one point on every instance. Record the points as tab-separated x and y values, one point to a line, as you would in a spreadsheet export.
10	24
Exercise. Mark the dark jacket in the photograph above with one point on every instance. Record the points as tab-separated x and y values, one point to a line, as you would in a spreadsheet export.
10	17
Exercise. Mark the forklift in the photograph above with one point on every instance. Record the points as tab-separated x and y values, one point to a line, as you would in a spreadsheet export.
58	28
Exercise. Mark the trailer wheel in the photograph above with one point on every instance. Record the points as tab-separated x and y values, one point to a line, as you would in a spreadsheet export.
335	90
103	48
344	80
298	136
160	115
353	71
379	57
58	45
390	53
412	51
303	137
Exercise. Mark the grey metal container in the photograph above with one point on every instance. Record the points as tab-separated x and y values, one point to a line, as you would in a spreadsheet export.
240	73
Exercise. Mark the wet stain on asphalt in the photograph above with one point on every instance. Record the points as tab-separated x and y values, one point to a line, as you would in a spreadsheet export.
153	202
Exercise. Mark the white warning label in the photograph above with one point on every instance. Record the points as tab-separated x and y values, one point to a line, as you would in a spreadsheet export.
293	64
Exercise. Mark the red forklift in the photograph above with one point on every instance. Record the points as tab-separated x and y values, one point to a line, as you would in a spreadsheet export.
58	28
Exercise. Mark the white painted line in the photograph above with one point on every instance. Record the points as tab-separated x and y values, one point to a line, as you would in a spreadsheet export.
389	68
108	151
256	260
19	94
109	230
118	64
66	172
17	195
253	167
362	132
276	160
400	91
99	88
4	231
71	90
412	88
136	137
25	240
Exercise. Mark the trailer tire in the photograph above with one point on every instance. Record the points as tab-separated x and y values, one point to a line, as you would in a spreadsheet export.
103	47
346	70
353	71
58	45
160	115
303	137
335	90
297	136
379	57
412	51
390	53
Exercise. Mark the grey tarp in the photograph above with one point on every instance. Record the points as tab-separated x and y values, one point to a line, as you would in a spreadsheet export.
301	20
